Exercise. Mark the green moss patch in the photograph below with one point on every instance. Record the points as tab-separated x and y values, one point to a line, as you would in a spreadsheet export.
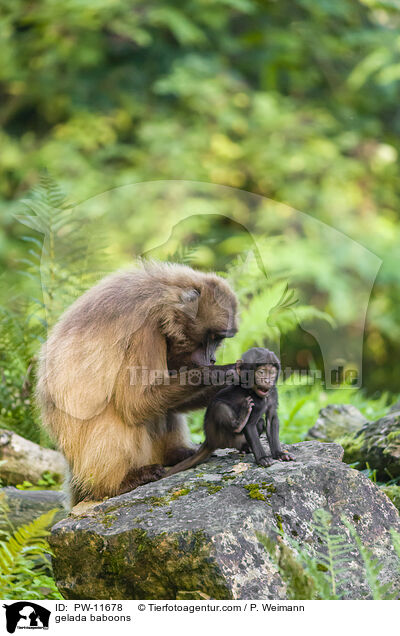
254	490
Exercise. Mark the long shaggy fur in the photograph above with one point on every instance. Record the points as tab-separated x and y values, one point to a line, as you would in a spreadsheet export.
106	426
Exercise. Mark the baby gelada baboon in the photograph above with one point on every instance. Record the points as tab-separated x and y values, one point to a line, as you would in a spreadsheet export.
234	417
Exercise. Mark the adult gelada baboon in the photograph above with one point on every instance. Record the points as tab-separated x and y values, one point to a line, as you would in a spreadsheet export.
118	424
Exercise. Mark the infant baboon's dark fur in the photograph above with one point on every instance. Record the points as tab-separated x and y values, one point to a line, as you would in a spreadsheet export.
234	417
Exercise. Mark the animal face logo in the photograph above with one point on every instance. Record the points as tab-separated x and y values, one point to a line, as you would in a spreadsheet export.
26	615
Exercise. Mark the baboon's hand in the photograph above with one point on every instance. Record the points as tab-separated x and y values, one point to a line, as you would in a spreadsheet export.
246	409
244	414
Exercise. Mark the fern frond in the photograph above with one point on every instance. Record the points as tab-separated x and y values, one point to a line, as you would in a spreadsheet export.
64	263
338	550
24	567
52	191
29	539
321	575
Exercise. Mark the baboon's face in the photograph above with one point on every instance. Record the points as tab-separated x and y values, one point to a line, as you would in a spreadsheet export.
215	320
204	317
264	378
205	353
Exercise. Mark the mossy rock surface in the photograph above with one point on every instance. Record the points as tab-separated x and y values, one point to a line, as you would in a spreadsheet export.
193	535
372	444
377	445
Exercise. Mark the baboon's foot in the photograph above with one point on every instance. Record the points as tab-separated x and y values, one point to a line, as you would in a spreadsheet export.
284	456
175	455
139	476
265	461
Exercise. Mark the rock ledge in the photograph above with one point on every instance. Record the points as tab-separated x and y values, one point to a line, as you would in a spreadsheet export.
193	535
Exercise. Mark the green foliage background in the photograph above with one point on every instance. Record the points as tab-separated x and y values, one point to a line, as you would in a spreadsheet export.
293	101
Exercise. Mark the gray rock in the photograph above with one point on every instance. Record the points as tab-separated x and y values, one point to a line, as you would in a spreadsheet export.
26	505
23	460
335	421
195	533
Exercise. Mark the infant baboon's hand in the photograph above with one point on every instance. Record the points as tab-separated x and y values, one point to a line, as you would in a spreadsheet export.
246	408
244	414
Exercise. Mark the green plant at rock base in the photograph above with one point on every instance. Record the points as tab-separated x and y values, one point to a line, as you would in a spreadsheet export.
24	568
393	492
322	575
48	481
